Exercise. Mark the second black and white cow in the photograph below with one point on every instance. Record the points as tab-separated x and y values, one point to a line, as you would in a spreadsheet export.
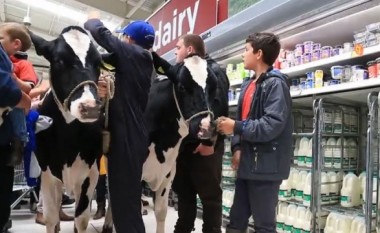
68	149
181	105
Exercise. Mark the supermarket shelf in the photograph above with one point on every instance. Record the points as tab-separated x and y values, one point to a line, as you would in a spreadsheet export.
337	88
327	62
232	103
355	211
303	134
351	86
295	202
340	134
300	167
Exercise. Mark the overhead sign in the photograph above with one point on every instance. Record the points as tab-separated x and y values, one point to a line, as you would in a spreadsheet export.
180	17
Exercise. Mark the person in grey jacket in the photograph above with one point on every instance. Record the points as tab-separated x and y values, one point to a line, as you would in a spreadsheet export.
262	141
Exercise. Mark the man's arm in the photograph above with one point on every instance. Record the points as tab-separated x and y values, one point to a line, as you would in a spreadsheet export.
101	34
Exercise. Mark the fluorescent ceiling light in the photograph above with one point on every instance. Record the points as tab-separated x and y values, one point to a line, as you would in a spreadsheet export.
67	12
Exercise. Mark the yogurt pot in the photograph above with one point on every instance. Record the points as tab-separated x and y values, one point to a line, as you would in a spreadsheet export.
299	50
298	60
372	69
307	58
337	72
326	52
308	47
316	55
316	46
348	47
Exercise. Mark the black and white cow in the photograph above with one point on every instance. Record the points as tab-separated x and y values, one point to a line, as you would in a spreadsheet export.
68	149
178	106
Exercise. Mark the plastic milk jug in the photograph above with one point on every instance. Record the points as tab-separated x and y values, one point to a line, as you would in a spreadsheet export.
343	224
325	189
331	223
334	187
294	178
337	154
307	190
281	216
298	222
306	226
290	217
362	180
296	150
330	145
350	193
309	154
302	151
300	185
285	191
358	225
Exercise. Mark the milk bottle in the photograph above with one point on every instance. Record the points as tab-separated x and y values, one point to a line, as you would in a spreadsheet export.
294	178
302	151
290	218
350	193
285	191
299	220
331	223
296	150
306	227
334	187
309	154
307	190
325	198
328	151
281	216
337	154
343	224
300	185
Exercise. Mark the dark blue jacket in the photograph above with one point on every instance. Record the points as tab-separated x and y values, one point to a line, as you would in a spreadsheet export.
133	72
10	95
265	138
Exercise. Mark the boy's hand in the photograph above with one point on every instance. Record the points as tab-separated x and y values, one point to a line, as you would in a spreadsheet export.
102	89
236	160
93	15
225	125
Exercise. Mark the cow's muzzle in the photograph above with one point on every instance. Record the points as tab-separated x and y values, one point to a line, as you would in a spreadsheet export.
207	131
90	110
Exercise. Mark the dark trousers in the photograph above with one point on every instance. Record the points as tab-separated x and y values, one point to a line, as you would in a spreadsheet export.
6	186
124	176
101	189
256	198
199	175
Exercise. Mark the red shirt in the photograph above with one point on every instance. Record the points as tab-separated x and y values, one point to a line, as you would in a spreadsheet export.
24	70
247	100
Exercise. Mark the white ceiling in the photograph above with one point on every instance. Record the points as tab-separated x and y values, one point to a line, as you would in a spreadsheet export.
49	17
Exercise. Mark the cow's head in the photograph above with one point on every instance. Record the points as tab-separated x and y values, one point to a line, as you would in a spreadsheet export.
195	85
74	72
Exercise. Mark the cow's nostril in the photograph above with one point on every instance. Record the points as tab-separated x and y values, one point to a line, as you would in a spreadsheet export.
90	112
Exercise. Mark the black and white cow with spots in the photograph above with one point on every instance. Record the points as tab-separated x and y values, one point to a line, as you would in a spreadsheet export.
68	149
180	105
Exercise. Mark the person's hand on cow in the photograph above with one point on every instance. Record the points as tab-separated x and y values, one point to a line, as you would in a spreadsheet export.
93	15
225	125
102	88
235	160
204	150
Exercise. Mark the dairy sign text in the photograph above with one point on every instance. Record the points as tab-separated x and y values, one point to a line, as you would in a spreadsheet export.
180	17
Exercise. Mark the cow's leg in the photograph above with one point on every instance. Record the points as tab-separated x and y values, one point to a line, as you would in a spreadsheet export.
83	189
52	193
161	200
108	222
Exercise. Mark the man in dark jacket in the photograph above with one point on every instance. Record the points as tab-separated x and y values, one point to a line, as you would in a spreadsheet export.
129	134
198	169
262	135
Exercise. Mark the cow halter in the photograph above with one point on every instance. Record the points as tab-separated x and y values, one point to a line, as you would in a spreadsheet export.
65	106
193	116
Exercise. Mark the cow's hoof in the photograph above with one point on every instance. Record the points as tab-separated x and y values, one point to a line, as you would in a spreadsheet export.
57	228
107	229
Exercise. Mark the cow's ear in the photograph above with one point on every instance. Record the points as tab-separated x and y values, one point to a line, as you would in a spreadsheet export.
42	46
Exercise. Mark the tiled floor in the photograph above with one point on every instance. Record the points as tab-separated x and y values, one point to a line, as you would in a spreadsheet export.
23	222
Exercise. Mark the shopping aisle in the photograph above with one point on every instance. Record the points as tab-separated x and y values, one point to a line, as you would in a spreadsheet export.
23	221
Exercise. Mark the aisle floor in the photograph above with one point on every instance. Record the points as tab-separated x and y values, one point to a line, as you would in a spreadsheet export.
23	221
